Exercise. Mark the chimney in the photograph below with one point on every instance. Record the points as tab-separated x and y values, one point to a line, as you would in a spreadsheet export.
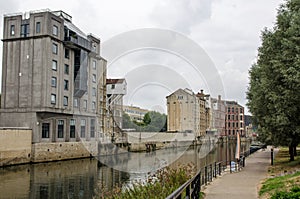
219	97
201	91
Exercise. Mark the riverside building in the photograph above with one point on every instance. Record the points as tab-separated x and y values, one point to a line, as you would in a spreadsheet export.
53	78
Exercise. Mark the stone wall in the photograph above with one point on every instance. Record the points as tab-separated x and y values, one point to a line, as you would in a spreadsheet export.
15	146
43	152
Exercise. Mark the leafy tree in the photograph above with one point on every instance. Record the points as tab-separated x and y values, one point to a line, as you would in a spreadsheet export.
147	119
274	90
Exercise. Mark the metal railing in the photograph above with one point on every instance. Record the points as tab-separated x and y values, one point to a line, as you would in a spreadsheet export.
192	188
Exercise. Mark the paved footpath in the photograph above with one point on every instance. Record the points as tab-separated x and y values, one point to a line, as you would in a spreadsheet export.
243	184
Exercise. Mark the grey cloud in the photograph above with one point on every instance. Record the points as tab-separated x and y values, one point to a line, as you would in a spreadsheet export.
181	15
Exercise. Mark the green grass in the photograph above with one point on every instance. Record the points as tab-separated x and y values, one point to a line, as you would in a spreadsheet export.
284	181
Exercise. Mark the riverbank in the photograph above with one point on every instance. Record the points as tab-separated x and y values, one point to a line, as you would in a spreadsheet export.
283	177
243	184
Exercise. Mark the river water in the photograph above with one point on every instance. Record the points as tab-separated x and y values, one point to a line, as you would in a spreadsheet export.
83	178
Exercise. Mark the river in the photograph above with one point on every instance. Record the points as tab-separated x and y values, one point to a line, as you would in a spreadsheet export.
83	178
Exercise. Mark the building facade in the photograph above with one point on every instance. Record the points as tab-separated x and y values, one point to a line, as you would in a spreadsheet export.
53	78
234	120
183	108
218	115
135	113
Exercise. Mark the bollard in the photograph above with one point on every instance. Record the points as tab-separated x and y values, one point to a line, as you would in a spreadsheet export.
272	156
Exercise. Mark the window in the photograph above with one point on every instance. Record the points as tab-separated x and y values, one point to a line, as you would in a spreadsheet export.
12	30
232	109
93	105
94	64
241	110
65	101
93	91
228	124
45	130
72	128
66	69
54	65
85	104
24	30
54	48
233	132
241	124
113	86
237	124
237	117
38	27
241	117
82	128
53	82
92	128
75	102
67	53
94	78
66	85
228	110
55	30
228	117
53	99
60	129
232	124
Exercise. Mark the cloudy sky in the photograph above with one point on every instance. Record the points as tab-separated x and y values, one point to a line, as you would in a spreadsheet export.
228	31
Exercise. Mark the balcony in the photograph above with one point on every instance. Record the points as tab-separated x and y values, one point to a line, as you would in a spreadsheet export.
77	42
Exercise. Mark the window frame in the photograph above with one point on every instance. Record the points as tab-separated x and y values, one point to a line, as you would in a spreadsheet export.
66	84
55	30
54	48
72	128
53	82
53	96
60	129
38	27
12	30
54	65
45	134
66	101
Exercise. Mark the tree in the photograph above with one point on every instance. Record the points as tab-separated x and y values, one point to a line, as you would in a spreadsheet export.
274	89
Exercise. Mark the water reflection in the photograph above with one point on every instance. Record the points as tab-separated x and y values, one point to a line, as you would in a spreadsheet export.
82	178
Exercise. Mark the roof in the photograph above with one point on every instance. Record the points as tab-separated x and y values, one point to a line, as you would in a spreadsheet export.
115	81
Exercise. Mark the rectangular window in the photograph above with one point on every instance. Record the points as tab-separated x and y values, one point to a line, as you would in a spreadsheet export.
12	30
54	48
241	110
93	91
55	30
228	110
93	105
66	70
65	101
94	78
72	128
113	87
54	65
24	30
67	53
232	124
237	117
85	104
75	102
82	128
232	109
228	124
92	128
66	85
241	124
241	117
94	64
228	117
237	124
53	99
38	27
233	132
53	82
45	130
60	129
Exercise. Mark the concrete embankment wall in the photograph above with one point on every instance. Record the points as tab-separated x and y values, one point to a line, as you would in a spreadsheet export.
15	146
63	150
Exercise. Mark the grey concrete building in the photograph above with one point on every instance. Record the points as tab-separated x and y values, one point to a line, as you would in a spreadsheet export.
53	78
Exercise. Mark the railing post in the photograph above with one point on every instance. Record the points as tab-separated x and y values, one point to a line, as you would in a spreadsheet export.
211	173
215	170
220	168
188	191
205	173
